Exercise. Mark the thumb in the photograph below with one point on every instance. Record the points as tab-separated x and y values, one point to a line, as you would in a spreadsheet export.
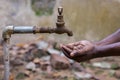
76	53
73	53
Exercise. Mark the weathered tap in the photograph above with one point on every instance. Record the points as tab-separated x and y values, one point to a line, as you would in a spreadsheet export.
59	29
60	26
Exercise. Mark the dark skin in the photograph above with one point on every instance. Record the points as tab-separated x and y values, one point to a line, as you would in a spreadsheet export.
86	50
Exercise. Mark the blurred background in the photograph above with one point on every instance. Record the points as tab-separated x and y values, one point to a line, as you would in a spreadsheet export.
88	19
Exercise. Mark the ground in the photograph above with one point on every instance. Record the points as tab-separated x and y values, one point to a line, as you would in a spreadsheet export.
39	55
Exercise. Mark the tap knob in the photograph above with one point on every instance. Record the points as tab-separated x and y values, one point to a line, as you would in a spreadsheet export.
60	10
60	22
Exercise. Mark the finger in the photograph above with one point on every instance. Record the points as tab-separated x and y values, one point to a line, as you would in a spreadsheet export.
65	53
73	44
70	45
72	54
75	48
61	45
68	50
80	46
76	43
76	53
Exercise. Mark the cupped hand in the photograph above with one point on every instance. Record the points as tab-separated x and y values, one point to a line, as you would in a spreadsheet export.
79	51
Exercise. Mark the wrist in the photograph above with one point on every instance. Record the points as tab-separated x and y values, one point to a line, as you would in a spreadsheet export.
96	52
103	51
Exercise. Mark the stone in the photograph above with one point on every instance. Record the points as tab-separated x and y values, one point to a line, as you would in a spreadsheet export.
16	61
33	46
115	66
36	60
38	53
20	75
42	45
27	73
45	58
77	67
82	75
14	47
102	65
28	56
117	74
1	67
59	62
111	73
13	52
22	51
30	66
11	77
44	65
25	46
53	51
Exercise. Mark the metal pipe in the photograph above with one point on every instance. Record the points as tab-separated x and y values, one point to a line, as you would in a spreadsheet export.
23	29
6	60
9	30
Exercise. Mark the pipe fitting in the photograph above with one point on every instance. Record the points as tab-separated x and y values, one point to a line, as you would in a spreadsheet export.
7	32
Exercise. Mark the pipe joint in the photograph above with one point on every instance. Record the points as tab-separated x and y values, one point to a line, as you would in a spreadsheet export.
7	32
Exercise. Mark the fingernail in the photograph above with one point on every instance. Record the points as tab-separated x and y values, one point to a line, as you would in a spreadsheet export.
72	54
75	48
62	46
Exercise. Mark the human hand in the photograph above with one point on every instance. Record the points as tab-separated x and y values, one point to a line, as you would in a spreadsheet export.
79	51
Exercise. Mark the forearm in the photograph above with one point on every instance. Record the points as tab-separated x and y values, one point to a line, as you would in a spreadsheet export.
108	50
113	38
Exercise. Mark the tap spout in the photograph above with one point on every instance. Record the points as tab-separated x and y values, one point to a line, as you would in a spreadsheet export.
55	30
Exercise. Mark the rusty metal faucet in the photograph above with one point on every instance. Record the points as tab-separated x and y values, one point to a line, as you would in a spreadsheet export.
59	29
60	26
9	30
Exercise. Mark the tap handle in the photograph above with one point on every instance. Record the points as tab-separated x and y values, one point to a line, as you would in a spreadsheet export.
60	10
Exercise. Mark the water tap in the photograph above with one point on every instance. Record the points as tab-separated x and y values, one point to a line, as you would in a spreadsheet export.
59	29
60	25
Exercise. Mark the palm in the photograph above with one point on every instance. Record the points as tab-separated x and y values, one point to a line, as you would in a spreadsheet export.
79	51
